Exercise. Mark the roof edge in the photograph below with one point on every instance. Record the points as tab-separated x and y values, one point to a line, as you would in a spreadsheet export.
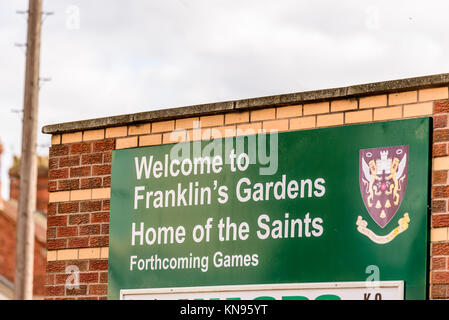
360	90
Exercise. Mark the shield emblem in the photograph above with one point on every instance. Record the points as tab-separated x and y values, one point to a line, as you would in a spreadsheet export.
383	175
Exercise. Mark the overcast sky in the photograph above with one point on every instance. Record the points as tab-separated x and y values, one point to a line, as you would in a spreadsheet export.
110	57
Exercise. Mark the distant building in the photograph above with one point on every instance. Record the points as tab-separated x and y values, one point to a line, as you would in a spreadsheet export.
8	217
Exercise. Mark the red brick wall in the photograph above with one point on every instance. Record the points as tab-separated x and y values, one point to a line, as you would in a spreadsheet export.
8	255
41	191
79	176
83	223
440	195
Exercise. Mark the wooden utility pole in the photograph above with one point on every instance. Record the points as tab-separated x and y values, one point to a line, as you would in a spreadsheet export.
23	279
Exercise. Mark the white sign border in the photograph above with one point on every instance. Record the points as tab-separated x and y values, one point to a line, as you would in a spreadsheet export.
268	287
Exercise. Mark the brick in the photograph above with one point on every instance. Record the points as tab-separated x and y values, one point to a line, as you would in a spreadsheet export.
90	135
402	98
433	94
51	233
440	121
64	232
104	254
439	249
358	116
57	221
236	117
441	107
289	111
100	241
51	209
150	140
98	289
59	150
387	113
53	163
330	120
76	291
100	217
439	177
316	108
56	244
275	125
69	184
90	183
58	173
223	132
55	139
92	229
107	157
124	143
116	132
441	163
249	129
438	234
187	123
162	126
373	101
101	170
198	134
101	193
103	145
174	137
54	290
68	207
106	205
418	109
79	148
70	161
50	279
343	105
103	277
68	254
82	265
106	182
59	196
55	266
440	277
94	158
440	135
439	150
439	291
212	121
139	129
440	191
302	123
105	229
51	255
438	263
77	219
84	194
90	206
263	114
72	137
89	277
98	265
440	220
89	253
79	242
62	278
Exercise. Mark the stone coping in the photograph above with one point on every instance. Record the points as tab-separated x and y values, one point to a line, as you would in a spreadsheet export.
254	103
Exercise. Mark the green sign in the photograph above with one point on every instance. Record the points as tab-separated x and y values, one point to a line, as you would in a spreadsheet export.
327	205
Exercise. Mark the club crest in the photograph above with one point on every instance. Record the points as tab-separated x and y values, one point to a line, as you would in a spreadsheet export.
383	176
